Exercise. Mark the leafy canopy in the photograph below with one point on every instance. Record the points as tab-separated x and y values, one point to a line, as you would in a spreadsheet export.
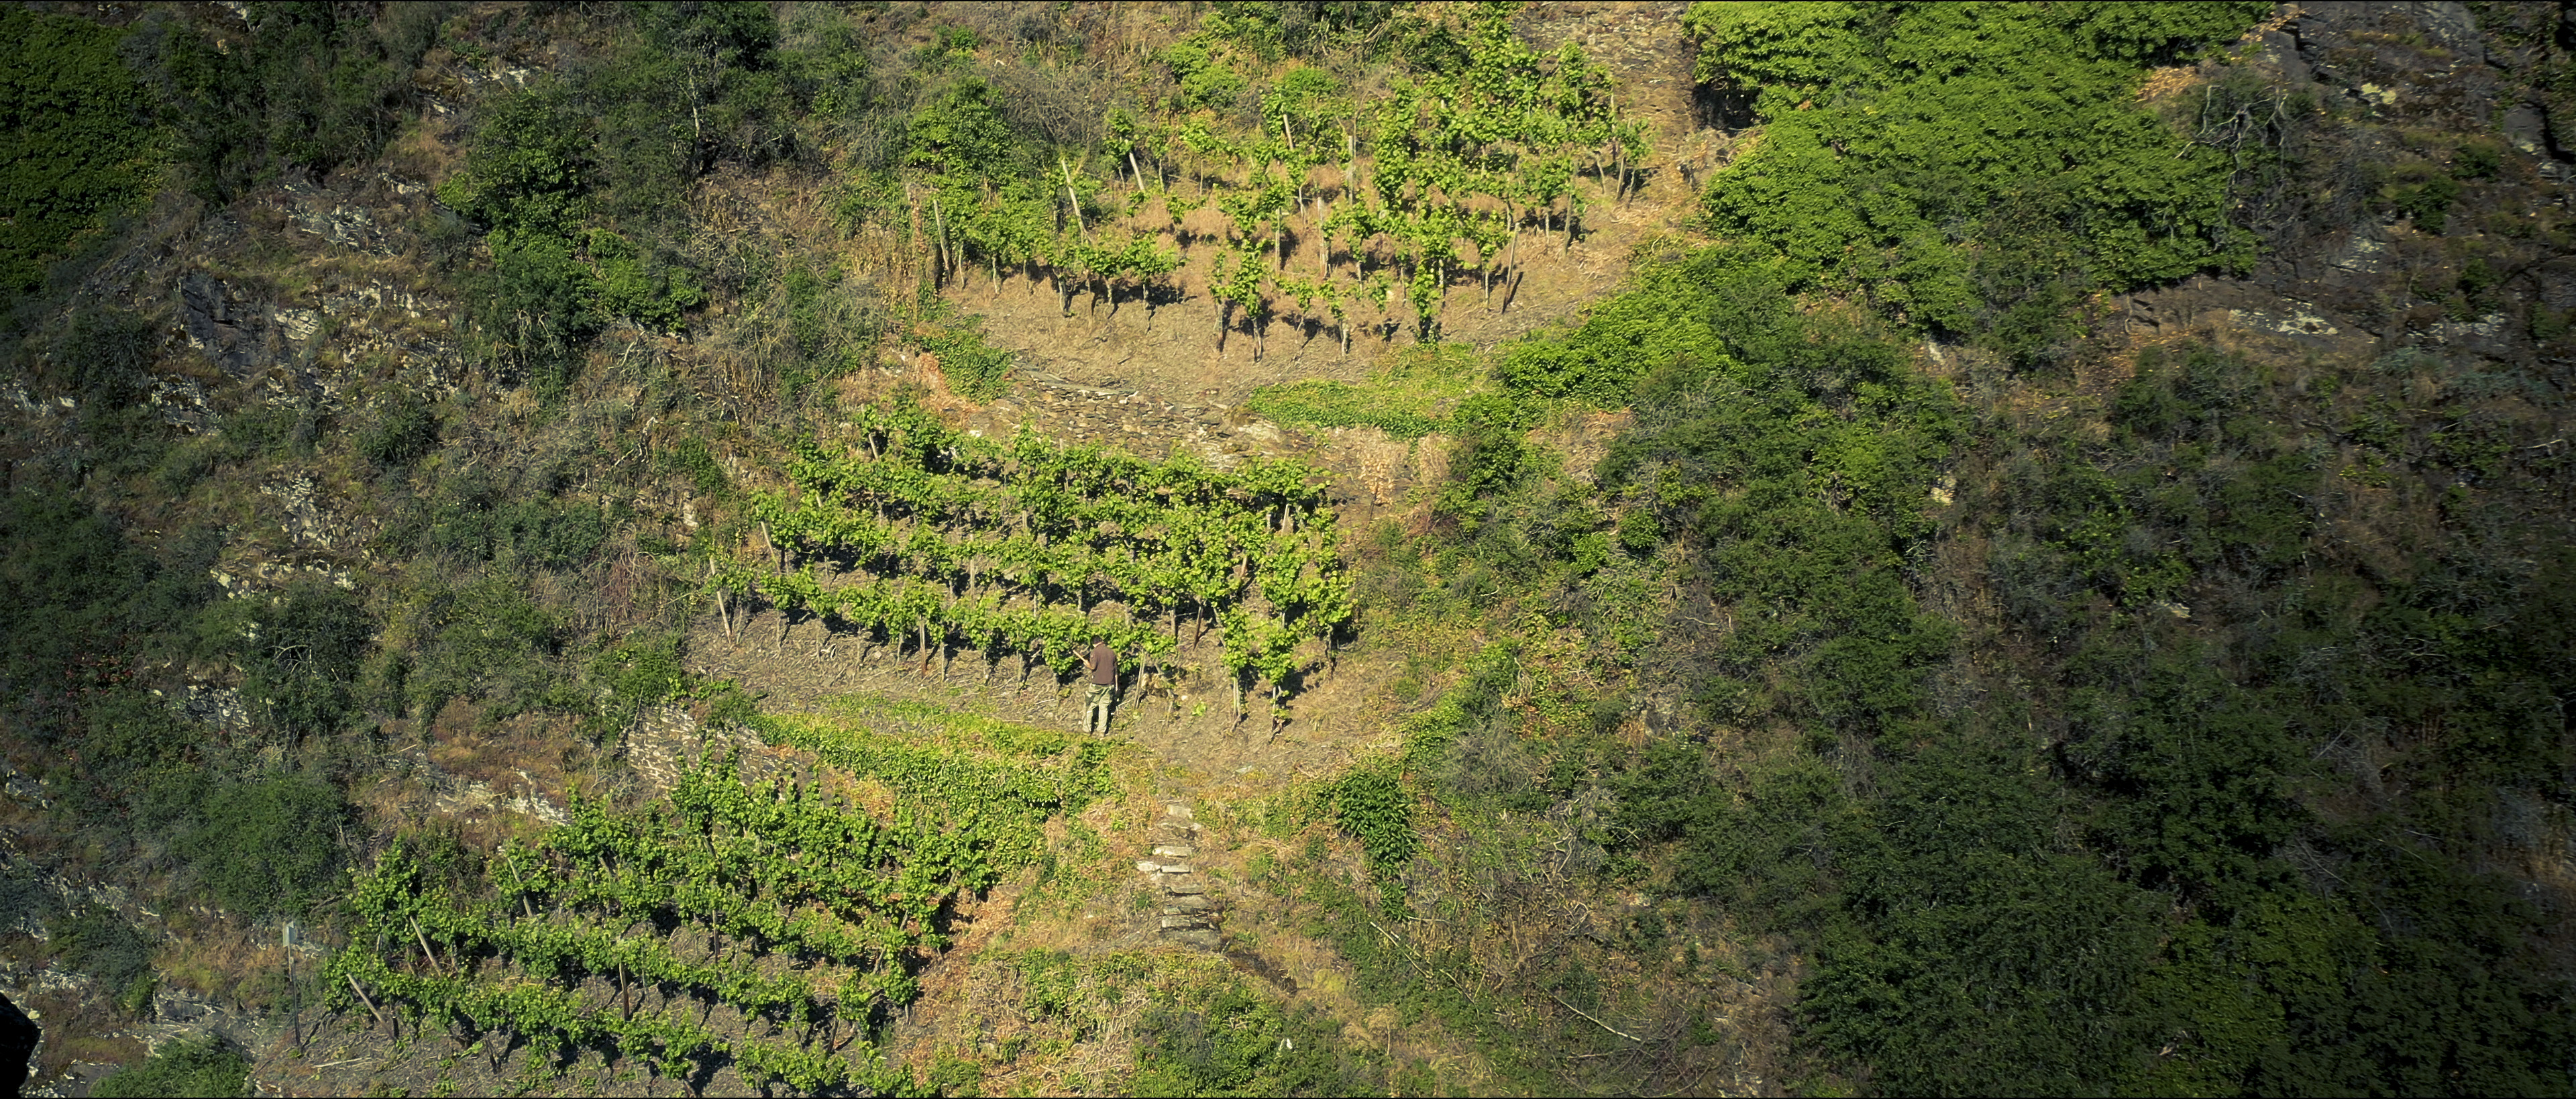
75	136
1971	168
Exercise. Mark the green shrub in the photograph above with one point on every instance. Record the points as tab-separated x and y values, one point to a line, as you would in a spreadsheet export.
107	355
1373	807
639	287
1323	402
68	579
99	942
1232	1041
2477	159
691	458
1882	174
2421	194
269	846
482	640
312	88
299	652
473	519
636	673
75	136
975	369
526	169
184	1067
1491	460
554	533
405	430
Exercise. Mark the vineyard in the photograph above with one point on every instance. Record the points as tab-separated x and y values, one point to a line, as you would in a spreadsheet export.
762	928
1402	195
923	536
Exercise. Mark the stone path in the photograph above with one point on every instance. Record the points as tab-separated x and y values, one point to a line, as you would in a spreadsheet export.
1190	914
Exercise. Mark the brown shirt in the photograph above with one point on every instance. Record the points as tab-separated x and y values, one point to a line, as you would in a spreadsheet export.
1104	665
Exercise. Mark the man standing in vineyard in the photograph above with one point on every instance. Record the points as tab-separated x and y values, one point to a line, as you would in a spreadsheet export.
1104	685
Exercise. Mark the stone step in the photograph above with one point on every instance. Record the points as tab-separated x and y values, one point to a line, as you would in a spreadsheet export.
1174	850
1201	938
1191	902
1183	887
1183	923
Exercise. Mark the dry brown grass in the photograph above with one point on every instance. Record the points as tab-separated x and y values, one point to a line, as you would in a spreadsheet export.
229	962
80	1030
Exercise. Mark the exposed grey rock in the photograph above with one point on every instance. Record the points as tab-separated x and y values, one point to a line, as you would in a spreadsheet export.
299	324
2527	129
347	226
230	337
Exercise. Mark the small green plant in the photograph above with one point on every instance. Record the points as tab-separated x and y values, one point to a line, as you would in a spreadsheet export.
692	458
975	369
1374	808
2477	160
405	429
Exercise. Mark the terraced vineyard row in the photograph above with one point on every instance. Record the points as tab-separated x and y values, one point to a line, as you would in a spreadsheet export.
765	929
937	539
1462	159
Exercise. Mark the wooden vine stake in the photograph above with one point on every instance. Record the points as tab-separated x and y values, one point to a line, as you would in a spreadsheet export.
362	998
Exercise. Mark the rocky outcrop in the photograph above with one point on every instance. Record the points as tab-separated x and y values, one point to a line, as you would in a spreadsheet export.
222	326
2419	96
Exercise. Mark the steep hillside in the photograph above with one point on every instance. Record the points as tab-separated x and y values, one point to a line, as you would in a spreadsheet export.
1652	548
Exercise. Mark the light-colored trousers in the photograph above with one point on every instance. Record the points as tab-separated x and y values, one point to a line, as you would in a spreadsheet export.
1096	718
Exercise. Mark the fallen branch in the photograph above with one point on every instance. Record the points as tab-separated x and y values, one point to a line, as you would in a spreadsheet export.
1596	1022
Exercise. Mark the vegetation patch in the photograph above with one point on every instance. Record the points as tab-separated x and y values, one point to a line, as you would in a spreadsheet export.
1412	396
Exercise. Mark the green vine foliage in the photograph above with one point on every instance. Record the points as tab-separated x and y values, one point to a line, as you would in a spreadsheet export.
574	942
1970	170
1031	548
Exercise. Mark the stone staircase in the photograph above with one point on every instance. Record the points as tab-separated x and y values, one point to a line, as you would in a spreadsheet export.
1190	913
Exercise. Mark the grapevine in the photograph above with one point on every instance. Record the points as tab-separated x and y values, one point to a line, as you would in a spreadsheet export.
920	537
582	939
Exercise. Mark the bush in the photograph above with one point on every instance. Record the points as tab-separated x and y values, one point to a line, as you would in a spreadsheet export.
75	140
1880	172
99	942
267	847
634	674
299	651
975	370
691	458
1322	402
107	356
1373	808
69	583
311	89
405	430
208	1066
483	640
1234	1042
